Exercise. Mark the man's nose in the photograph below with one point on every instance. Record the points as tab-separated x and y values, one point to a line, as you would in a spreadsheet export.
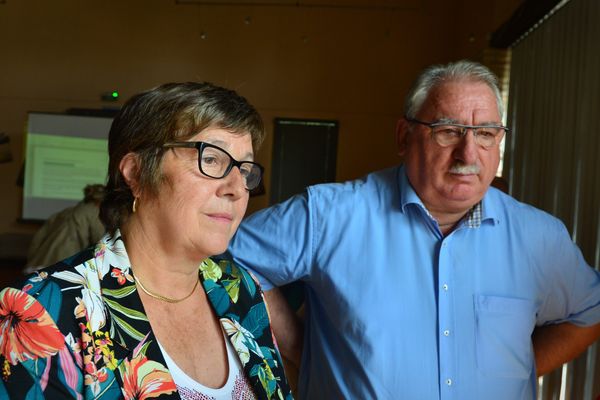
466	149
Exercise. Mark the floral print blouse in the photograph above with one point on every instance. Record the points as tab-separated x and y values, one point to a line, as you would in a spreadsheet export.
78	330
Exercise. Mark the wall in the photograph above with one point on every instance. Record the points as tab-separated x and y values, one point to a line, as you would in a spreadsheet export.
349	64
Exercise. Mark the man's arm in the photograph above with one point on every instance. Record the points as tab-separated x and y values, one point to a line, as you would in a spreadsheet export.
287	327
557	344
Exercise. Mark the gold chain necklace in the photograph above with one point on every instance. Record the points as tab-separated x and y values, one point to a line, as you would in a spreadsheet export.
164	298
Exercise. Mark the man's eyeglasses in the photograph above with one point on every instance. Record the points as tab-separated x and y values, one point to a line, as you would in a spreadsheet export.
446	134
215	162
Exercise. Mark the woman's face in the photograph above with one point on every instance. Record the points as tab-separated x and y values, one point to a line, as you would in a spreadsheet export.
192	212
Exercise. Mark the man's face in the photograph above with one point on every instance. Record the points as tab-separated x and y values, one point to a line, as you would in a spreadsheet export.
434	171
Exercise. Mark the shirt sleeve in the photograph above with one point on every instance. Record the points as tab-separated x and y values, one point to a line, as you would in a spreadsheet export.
573	293
276	243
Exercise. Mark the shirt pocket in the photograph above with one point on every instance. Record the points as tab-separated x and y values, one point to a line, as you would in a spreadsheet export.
503	328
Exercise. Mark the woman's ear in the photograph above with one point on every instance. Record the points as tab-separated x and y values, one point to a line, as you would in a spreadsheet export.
129	167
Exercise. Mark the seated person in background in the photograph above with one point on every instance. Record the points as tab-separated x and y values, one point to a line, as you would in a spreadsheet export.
147	313
68	231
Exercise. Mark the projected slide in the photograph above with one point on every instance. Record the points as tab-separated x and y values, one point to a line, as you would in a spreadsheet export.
61	166
63	154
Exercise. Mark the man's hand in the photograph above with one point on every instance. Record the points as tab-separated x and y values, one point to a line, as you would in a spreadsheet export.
555	345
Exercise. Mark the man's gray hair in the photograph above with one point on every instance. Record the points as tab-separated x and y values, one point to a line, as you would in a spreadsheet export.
435	75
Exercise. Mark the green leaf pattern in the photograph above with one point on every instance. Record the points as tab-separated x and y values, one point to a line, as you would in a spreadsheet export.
246	323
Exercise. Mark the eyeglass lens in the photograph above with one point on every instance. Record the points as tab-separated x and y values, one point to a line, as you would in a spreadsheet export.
447	135
217	163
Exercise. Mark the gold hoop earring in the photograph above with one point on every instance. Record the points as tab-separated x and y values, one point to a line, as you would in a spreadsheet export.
134	205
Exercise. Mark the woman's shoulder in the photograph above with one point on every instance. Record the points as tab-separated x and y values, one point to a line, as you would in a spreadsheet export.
222	270
86	268
223	279
42	276
47	287
41	297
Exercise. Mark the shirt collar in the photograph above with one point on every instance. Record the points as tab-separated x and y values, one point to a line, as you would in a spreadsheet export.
474	216
489	205
407	193
484	210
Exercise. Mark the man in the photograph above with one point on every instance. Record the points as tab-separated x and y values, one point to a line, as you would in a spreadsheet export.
422	281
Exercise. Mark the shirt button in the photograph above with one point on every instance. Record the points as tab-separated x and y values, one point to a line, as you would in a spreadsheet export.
446	333
449	382
445	286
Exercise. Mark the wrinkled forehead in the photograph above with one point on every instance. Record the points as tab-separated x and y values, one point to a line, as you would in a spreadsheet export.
465	102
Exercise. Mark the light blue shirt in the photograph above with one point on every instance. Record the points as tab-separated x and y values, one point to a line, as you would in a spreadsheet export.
395	310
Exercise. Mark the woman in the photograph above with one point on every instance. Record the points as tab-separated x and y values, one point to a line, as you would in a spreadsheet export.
147	313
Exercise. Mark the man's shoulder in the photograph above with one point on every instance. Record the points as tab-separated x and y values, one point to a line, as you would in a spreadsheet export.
328	201
373	184
520	213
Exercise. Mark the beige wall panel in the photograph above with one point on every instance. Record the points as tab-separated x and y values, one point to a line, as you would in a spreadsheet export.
349	64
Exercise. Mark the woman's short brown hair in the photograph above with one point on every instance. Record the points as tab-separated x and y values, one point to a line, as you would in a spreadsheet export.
170	112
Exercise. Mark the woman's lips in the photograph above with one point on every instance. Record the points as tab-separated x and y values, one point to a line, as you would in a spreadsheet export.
221	217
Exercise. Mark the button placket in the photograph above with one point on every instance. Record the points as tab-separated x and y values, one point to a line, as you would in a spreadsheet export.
445	319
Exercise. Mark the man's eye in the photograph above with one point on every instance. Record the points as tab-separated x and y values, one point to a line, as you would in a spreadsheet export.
487	133
448	131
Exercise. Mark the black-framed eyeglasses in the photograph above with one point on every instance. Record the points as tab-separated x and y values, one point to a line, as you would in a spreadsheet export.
447	134
216	163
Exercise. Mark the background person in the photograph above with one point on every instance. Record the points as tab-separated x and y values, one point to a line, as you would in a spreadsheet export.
68	231
422	281
147	313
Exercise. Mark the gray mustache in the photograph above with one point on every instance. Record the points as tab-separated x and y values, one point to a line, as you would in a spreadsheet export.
463	169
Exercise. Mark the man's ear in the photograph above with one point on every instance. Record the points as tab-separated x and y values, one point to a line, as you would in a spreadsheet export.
129	167
402	136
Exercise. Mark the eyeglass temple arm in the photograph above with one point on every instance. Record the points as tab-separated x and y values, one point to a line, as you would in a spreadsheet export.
179	144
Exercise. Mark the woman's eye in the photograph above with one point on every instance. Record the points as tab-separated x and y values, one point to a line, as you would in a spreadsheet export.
209	160
245	171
